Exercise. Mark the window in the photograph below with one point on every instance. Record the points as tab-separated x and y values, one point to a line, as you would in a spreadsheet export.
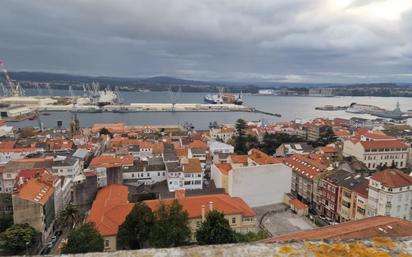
106	243
234	220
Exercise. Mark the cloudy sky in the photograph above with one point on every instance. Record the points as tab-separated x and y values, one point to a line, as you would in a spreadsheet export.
240	40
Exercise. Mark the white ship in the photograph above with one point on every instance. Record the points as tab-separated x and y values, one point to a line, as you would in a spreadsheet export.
363	108
106	97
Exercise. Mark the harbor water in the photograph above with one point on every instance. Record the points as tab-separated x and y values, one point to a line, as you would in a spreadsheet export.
290	107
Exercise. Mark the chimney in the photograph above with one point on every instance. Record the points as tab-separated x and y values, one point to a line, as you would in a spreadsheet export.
180	193
210	206
203	213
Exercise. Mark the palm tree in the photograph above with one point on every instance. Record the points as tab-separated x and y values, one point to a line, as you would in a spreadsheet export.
69	216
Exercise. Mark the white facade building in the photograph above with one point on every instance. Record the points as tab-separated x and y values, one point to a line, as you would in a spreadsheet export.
12	154
260	185
390	194
378	153
69	167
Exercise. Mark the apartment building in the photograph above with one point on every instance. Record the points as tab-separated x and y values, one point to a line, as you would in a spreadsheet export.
351	197
377	153
390	194
34	204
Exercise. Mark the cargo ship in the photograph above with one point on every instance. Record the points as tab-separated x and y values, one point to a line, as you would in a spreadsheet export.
224	99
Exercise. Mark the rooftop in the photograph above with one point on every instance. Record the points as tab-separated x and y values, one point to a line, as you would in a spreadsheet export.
110	208
36	191
367	228
392	178
221	202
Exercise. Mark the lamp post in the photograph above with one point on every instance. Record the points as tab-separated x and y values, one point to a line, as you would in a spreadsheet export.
27	247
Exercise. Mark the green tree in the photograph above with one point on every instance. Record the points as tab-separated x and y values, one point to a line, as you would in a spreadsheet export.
105	131
84	239
172	226
272	141
240	140
69	216
18	238
6	221
135	231
215	230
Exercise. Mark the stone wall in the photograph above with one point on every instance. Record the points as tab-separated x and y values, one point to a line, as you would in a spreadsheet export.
374	247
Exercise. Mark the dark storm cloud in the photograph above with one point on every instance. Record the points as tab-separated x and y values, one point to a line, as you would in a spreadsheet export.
293	40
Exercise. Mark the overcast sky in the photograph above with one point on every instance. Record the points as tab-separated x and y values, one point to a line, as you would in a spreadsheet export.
241	40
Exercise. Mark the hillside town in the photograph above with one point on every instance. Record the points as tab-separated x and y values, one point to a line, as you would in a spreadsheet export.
273	182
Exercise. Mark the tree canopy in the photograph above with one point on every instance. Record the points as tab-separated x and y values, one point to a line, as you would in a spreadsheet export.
83	240
240	140
18	238
272	141
135	231
215	230
172	226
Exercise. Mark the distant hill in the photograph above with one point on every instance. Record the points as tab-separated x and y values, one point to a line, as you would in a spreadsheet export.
161	83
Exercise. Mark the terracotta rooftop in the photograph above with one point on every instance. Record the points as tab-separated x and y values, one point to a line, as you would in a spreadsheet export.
7	144
297	204
112	127
198	144
378	226
262	158
36	191
378	136
110	209
392	178
106	161
224	168
239	158
308	167
193	166
383	144
221	202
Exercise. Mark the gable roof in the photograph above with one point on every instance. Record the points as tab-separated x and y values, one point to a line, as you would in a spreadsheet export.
239	158
221	202
392	178
224	168
383	144
110	209
193	166
36	191
262	158
107	161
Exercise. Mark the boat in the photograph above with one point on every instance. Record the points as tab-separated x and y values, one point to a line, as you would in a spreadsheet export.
89	110
363	108
213	99
121	110
106	97
395	114
224	98
331	108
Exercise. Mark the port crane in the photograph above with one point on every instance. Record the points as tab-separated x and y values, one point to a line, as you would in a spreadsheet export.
12	87
174	97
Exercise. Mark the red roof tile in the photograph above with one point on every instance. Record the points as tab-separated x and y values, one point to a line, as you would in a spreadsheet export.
383	144
392	178
221	202
110	209
239	158
297	204
224	168
107	161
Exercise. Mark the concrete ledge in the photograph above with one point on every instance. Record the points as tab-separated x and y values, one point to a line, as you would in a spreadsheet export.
374	247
